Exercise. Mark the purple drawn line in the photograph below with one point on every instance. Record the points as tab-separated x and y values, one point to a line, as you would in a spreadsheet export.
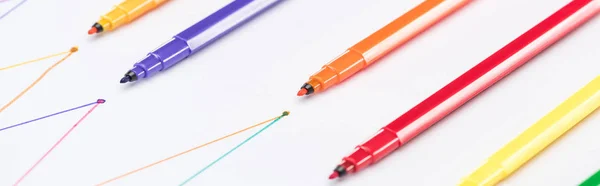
100	101
12	9
61	112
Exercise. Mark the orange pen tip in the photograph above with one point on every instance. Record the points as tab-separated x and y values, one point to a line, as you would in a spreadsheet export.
92	30
302	92
333	175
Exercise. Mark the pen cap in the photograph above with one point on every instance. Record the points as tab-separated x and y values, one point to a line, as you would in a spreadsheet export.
127	11
339	69
162	58
374	149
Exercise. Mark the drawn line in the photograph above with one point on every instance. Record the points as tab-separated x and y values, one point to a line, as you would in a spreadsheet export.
58	142
31	61
185	152
73	50
44	117
234	148
12	9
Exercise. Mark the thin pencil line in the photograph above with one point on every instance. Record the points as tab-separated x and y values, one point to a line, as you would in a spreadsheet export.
233	149
73	50
47	116
12	9
32	61
56	144
185	152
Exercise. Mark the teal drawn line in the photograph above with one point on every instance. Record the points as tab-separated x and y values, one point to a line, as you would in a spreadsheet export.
234	148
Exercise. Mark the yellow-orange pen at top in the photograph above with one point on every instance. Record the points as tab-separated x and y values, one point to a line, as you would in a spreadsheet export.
124	13
537	137
378	44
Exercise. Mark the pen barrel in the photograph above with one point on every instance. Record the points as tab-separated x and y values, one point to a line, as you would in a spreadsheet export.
477	79
537	137
223	22
492	69
386	39
549	128
405	27
159	2
488	174
593	180
126	12
200	35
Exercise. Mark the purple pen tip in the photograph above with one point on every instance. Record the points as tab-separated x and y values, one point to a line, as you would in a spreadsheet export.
125	79
101	101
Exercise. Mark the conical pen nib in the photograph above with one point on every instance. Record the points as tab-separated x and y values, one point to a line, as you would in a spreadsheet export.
334	175
125	79
92	30
302	92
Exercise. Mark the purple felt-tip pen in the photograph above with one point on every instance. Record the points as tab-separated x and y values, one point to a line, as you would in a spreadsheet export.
196	37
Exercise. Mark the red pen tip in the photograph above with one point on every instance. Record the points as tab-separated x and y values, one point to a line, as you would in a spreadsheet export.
92	30
333	175
302	92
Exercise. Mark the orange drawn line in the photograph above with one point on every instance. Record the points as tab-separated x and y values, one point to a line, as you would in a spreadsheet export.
31	61
73	50
185	152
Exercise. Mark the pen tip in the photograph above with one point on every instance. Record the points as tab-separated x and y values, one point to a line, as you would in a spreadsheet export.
302	92
125	79
92	30
334	175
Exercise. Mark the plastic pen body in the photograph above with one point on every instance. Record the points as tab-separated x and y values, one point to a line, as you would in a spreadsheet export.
593	180
197	37
537	137
469	84
124	13
380	43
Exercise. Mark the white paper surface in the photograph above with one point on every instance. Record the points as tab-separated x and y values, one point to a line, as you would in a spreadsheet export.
253	74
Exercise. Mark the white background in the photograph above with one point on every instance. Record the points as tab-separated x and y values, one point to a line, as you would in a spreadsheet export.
254	73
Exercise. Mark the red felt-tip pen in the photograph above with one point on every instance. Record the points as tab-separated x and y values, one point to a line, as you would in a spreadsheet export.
468	85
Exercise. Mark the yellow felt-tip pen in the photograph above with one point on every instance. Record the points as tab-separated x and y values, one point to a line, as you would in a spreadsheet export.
124	13
537	137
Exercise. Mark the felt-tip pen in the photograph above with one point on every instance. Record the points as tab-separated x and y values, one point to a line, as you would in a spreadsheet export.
464	88
124	13
196	37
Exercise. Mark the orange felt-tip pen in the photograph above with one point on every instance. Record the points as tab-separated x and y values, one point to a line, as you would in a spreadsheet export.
378	44
124	13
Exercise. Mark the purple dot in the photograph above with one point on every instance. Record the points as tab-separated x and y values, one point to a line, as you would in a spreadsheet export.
101	101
